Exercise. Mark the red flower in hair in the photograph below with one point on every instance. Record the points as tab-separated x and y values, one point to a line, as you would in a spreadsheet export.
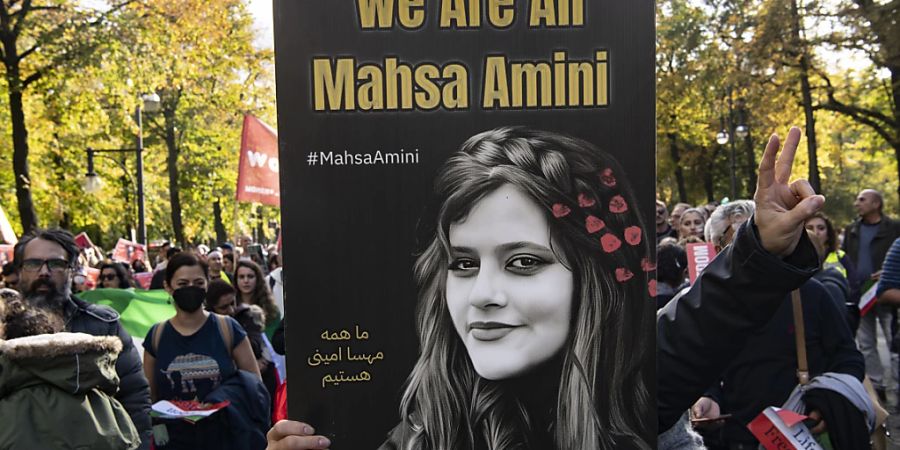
607	178
586	202
560	210
610	242
633	235
623	274
593	224
617	204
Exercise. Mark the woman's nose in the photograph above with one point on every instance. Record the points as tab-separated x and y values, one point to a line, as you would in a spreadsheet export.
488	289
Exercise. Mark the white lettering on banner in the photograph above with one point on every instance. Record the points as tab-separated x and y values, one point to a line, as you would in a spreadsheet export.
701	257
258	159
260	190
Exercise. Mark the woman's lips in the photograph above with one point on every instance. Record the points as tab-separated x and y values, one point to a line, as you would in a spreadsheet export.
490	331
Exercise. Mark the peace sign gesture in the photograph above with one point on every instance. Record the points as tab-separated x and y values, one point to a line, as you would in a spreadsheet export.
782	208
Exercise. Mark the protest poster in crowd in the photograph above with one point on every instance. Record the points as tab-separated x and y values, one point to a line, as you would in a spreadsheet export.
127	251
533	251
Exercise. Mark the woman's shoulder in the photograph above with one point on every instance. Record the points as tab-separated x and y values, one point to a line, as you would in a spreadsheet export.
228	324
402	436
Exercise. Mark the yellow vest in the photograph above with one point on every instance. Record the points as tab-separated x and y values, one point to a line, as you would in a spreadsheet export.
833	260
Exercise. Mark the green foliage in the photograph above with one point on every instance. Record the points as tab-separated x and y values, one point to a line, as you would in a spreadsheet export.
707	49
198	55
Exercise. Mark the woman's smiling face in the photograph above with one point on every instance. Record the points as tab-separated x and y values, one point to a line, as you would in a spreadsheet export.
509	296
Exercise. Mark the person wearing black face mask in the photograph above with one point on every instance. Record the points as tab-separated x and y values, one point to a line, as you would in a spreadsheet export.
191	355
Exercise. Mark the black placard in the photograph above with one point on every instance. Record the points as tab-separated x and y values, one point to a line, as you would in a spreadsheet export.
370	106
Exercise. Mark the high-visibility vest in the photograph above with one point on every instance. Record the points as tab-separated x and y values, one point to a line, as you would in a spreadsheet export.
833	260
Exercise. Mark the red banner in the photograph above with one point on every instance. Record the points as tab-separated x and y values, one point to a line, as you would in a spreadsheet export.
699	256
6	232
6	254
258	170
127	251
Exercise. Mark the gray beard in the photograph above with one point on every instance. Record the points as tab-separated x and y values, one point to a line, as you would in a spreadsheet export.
53	300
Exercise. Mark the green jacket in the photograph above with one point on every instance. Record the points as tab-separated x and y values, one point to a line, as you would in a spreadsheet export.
56	392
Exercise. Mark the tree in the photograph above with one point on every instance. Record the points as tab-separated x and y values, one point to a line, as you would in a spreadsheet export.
871	27
36	40
207	74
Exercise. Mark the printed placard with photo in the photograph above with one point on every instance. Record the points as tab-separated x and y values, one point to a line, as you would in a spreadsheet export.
466	192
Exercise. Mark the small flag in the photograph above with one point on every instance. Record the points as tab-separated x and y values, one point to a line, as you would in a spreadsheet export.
867	301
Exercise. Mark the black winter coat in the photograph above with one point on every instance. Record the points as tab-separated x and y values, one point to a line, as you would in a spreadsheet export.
765	372
701	331
134	391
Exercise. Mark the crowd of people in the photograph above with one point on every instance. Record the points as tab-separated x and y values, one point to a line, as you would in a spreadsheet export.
217	347
839	326
726	341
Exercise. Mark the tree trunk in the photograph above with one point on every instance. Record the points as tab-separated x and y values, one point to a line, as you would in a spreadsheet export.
806	93
751	166
16	88
172	163
708	181
679	173
27	213
218	224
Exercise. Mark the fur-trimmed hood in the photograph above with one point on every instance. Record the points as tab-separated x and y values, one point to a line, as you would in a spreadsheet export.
54	345
73	362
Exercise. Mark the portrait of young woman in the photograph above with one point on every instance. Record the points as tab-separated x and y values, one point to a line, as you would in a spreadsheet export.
534	304
535	312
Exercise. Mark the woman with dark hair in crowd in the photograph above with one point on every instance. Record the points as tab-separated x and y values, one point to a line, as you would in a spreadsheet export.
837	268
114	275
196	354
253	290
221	298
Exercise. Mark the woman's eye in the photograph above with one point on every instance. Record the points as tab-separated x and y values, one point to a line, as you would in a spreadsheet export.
463	264
525	263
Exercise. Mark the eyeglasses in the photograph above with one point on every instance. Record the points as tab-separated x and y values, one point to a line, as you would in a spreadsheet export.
108	276
54	265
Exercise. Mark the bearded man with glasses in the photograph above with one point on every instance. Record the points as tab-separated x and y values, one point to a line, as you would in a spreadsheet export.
46	261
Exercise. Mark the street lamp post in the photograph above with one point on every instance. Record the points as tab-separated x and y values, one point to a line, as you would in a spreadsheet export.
149	103
724	137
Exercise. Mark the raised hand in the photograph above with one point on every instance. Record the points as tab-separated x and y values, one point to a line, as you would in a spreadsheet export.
782	208
291	435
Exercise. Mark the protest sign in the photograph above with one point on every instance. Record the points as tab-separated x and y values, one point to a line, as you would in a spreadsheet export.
374	98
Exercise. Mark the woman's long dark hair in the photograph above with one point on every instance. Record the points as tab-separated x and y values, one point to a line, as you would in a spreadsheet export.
602	396
122	273
261	295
